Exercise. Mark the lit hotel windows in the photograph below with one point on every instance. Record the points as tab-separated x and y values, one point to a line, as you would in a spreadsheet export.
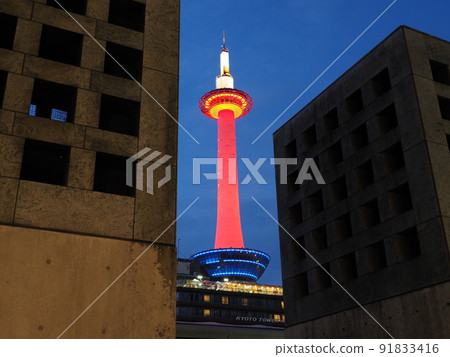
206	298
225	300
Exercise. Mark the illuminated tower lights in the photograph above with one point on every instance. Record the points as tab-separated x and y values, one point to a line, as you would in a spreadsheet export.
229	258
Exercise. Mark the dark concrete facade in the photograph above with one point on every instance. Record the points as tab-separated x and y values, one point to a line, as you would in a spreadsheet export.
380	225
68	223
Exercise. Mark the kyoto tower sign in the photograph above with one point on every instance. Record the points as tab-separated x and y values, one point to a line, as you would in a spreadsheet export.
229	258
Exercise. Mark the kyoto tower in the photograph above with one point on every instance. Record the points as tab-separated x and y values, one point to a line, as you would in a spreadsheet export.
229	258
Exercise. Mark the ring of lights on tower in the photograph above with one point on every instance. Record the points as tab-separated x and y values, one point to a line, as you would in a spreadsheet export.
226	98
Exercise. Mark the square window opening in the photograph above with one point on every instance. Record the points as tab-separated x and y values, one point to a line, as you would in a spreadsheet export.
315	203
331	121
387	120
335	155
440	72
296	215
347	268
61	45
323	280
45	162
381	83
444	106
129	58
407	243
354	103
291	178
364	175
53	100
8	26
393	159
359	138
309	137
297	252
76	6
339	190
343	227
400	200
301	286
290	150
110	175
119	115
370	214
127	13
319	239
375	257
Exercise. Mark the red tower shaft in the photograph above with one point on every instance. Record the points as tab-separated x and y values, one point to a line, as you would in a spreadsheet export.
228	230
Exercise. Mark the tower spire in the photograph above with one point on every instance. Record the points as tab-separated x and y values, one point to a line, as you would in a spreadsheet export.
225	79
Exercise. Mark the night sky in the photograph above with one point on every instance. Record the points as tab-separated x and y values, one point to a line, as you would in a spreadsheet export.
277	48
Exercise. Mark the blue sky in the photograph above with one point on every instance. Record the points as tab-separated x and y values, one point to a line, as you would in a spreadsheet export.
277	48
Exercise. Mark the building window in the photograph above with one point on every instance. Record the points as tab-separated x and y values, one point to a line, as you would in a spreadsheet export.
225	300
343	227
8	26
298	253
290	150
364	175
291	185
407	244
127	13
444	106
110	175
359	138
387	120
339	190
334	154
295	213
400	199
381	83
319	239
323	280
393	159
375	256
354	103
315	203
440	72
76	6
301	286
45	162
282	304
207	298
3	78
54	101
309	137
206	312
331	121
370	214
277	317
119	115
244	301
61	45
347	267
129	58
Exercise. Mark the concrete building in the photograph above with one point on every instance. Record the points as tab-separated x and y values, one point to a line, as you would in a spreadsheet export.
380	135
69	118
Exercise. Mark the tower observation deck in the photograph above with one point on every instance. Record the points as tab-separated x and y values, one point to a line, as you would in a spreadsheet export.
229	258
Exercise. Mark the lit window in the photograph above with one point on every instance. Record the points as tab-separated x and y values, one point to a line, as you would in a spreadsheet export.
244	302
206	298
277	317
206	312
32	110
59	115
225	300
282	304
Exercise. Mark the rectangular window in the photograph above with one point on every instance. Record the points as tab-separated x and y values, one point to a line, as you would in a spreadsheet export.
331	121
400	199
76	6
206	312
8	26
61	45
339	190
407	244
296	215
343	227
381	83
110	175
301	286
444	106
354	103
244	301
298	253
3	78
347	267
387	120
370	214
290	150
45	162
323	280
375	256
393	159
315	203
291	185
225	300
364	175
53	100
129	58
359	138
440	72
319	239
207	298
119	115
127	13
309	137
334	154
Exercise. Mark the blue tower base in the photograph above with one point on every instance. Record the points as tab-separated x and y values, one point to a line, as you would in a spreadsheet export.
233	263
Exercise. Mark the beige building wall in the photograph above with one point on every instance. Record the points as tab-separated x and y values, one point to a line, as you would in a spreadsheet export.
61	246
